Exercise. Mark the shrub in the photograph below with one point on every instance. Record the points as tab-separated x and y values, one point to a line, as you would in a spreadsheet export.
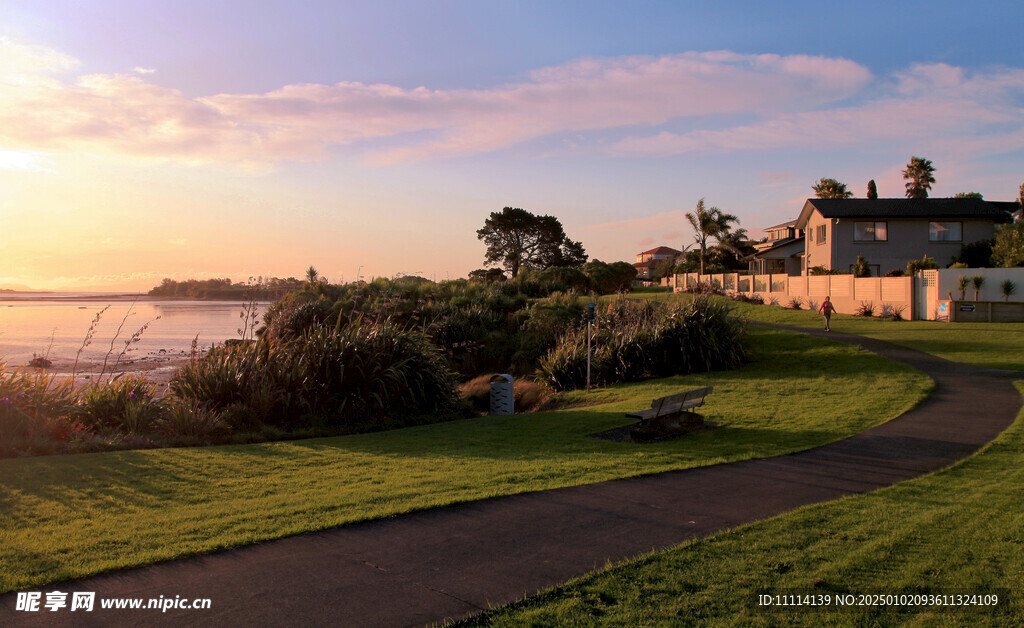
192	423
961	284
925	263
634	341
866	308
704	287
896	272
796	303
1007	287
362	376
124	404
812	305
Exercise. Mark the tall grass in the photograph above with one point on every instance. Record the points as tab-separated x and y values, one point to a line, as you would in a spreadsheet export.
636	340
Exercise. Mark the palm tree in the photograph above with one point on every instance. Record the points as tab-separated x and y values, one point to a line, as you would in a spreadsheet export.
709	223
918	176
830	188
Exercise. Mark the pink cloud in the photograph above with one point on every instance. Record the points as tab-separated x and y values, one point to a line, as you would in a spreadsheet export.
934	103
796	99
128	115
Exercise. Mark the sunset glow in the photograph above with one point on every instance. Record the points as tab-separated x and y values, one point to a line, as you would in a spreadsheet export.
186	144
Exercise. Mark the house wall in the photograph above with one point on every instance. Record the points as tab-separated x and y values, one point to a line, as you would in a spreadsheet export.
907	240
815	253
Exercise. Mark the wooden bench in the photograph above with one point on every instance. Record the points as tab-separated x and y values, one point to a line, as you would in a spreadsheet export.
673	405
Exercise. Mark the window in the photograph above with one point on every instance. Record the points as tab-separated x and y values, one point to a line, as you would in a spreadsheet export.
945	231
870	231
821	233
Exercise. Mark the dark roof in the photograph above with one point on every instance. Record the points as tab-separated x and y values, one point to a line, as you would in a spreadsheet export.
660	250
998	211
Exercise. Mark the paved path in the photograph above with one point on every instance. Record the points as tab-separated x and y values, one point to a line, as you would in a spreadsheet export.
454	561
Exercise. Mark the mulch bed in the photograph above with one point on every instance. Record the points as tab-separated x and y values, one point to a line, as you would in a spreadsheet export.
624	434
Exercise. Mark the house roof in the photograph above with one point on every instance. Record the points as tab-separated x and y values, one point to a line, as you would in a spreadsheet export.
785	224
796	244
648	264
661	250
998	211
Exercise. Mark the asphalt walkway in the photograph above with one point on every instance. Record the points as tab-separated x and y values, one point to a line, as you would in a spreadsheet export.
451	562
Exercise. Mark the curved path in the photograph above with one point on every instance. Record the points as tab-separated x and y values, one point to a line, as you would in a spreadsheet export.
454	561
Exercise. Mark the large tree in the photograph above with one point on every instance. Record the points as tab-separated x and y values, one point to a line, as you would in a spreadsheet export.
919	177
707	224
1008	250
518	239
872	190
830	188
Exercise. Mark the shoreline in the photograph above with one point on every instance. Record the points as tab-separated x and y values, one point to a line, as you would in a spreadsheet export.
157	366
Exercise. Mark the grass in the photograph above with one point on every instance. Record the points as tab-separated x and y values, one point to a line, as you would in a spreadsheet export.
69	516
955	531
995	345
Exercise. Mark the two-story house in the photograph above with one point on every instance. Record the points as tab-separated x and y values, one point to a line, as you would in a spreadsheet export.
648	260
781	253
889	232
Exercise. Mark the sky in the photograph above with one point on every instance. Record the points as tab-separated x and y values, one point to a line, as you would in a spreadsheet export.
193	139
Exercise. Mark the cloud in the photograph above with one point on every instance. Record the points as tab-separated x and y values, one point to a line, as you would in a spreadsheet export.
25	161
128	115
791	101
931	103
661	220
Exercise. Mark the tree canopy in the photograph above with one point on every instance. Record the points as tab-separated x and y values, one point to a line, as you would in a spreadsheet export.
919	177
976	195
872	190
609	278
830	188
521	240
1008	250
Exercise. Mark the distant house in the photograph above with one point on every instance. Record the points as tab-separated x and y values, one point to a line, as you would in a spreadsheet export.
648	260
889	232
782	253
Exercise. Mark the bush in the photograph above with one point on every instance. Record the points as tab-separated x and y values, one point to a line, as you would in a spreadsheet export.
363	376
925	263
126	404
634	341
866	308
796	303
896	272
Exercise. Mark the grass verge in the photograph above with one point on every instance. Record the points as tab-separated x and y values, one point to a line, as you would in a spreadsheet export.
995	345
956	531
68	516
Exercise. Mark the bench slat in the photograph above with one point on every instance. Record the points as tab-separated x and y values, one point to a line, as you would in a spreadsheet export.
673	404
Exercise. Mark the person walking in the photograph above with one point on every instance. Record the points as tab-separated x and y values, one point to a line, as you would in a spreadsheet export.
826	310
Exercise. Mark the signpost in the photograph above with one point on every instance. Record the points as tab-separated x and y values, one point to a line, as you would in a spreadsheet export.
591	315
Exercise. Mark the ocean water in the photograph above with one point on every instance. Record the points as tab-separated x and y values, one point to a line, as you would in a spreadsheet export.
57	323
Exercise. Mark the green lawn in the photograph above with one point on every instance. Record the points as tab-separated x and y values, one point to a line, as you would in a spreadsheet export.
959	530
69	516
996	345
